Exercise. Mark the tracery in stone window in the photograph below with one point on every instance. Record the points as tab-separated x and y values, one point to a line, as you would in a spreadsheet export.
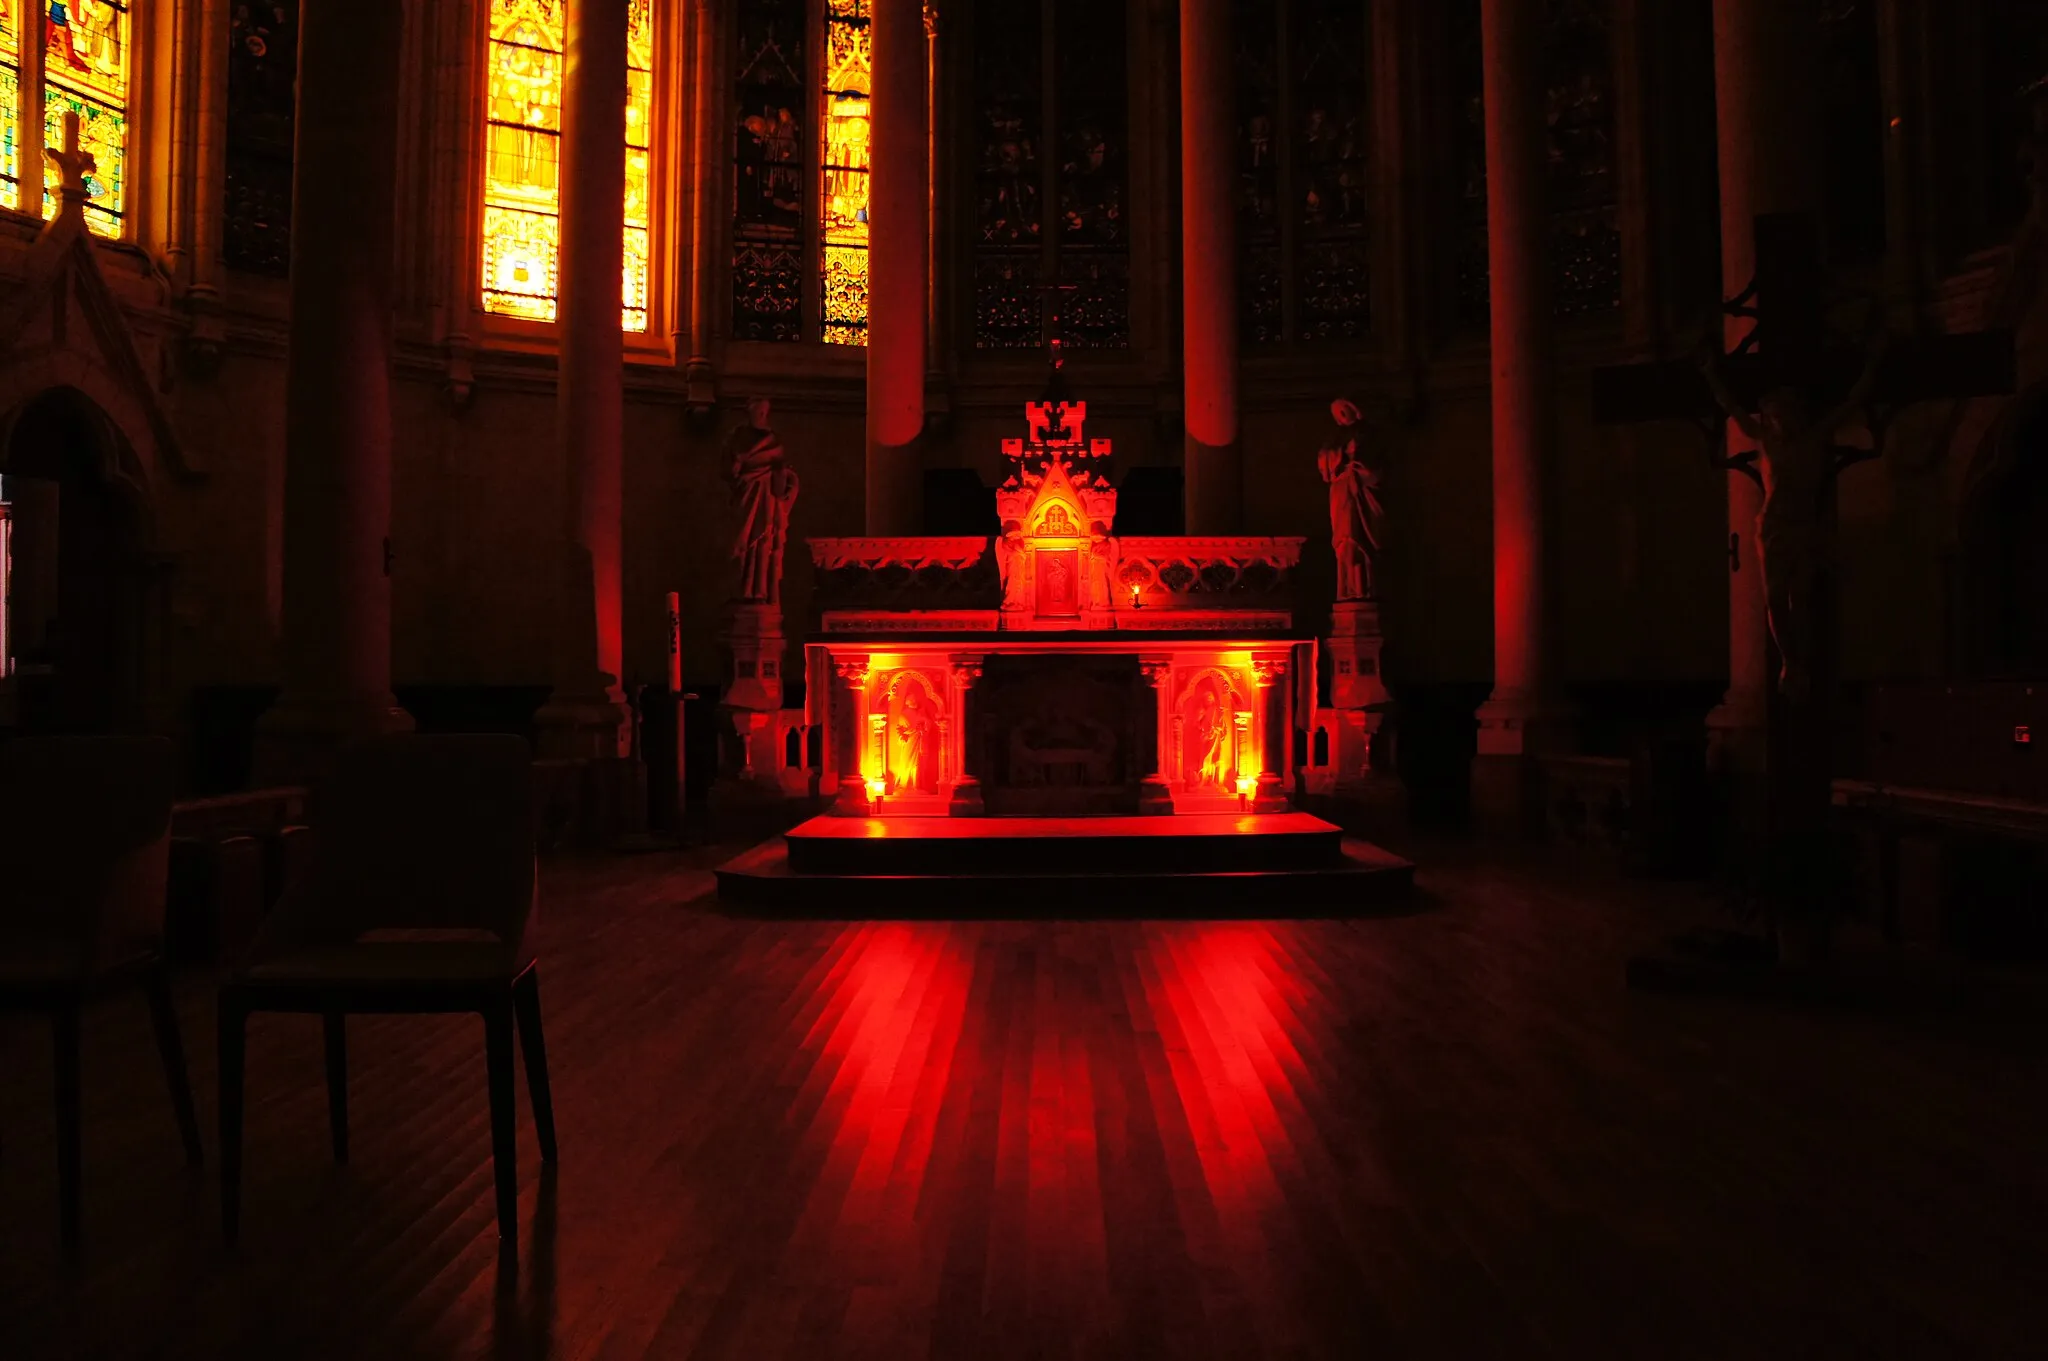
1256	34
522	160
843	188
263	51
1050	213
1302	121
85	71
768	172
10	108
1330	49
639	161
1468	55
1585	237
1091	101
1008	178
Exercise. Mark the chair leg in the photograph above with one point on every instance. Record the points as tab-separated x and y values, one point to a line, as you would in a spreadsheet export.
504	1128
233	1035
526	1007
64	1050
170	1047
334	1028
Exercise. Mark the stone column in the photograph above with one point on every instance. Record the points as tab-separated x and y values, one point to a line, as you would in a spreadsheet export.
849	732
1213	464
337	479
1272	675
966	801
1155	791
584	718
708	161
1518	717
1767	137
896	267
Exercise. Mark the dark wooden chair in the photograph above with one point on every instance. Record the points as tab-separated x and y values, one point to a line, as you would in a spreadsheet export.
417	896
85	840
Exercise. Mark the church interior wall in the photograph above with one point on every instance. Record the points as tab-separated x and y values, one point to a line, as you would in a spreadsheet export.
478	484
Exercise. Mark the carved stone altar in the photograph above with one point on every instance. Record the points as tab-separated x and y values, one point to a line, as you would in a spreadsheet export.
1057	669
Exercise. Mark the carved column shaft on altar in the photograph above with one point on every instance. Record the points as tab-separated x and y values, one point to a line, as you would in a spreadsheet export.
1155	792
849	728
1272	675
966	799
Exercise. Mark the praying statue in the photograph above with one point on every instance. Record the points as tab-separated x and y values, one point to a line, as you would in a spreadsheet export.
765	486
1797	462
1354	510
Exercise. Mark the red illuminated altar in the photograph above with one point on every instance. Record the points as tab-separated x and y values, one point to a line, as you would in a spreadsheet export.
1058	669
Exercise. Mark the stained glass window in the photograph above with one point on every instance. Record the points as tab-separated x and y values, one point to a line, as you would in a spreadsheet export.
1051	245
10	107
639	159
522	160
1008	178
843	194
768	172
263	53
85	71
1302	133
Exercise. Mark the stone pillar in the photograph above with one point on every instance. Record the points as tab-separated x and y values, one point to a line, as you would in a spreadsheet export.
709	158
585	717
1272	675
849	732
897	204
1767	136
1519	717
966	801
1213	463
1155	790
337	479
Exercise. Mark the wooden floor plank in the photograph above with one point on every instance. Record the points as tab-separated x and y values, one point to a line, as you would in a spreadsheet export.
1450	1133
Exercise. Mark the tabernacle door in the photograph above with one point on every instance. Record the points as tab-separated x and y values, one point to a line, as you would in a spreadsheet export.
1059	583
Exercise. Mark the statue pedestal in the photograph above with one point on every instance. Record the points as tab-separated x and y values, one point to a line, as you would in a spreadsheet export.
750	755
1358	693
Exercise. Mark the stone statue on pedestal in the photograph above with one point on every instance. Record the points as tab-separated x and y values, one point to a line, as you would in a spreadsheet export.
1354	510
765	486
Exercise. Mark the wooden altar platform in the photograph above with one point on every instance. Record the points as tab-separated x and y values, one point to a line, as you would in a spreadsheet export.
1249	865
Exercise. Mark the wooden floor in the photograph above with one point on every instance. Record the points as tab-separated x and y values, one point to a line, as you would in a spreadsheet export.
1446	1134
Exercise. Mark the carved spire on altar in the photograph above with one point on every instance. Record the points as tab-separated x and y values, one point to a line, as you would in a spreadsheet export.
1057	555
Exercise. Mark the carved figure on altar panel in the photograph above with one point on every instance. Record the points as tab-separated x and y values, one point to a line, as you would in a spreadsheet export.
915	745
765	486
1354	509
1012	561
1101	569
1207	713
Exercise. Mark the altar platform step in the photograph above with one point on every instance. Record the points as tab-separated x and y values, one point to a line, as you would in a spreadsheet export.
1254	865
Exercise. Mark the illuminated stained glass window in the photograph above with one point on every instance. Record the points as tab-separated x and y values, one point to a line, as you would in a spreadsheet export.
639	159
522	160
843	197
10	107
85	71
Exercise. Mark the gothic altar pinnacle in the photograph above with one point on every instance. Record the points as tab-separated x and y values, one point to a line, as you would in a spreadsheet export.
1056	556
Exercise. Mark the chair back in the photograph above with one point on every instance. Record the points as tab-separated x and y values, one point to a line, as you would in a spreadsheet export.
416	833
85	839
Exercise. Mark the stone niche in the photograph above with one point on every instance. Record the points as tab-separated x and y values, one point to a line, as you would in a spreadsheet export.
1060	735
